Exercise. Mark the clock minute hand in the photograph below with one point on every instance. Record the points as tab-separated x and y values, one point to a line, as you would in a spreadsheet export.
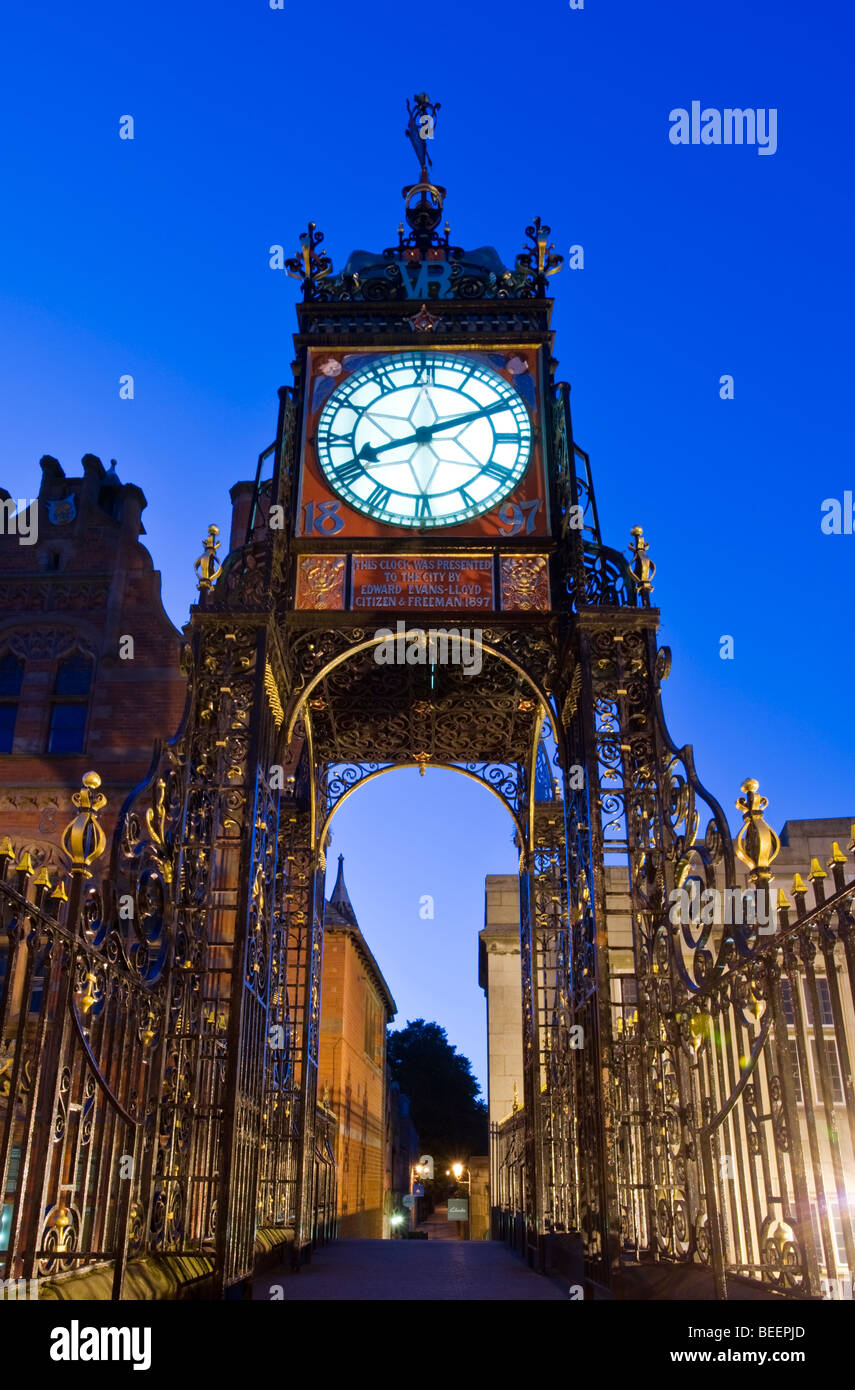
425	433
464	419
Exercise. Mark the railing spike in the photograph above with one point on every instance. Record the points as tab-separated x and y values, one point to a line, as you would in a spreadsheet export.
799	891
835	864
817	875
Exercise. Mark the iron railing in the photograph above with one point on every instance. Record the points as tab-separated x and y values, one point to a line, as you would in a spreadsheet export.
730	1083
113	1081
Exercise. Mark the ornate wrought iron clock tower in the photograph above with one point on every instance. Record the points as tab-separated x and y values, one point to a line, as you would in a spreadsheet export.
425	475
424	478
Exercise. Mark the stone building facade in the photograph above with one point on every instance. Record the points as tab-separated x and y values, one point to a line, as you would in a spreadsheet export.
356	1007
89	660
499	976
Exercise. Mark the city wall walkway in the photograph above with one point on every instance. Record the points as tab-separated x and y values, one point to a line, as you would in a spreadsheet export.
432	1270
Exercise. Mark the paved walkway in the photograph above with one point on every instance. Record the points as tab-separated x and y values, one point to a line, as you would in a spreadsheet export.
438	1227
432	1270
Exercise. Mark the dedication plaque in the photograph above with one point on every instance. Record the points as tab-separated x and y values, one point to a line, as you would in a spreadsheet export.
407	582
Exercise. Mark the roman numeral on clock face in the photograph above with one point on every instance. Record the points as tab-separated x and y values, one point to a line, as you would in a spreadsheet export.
423	506
380	496
348	471
383	380
507	438
495	470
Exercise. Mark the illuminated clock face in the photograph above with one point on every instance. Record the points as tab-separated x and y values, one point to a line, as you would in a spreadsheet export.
424	439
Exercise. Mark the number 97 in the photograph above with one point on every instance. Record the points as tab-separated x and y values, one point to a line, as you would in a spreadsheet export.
519	517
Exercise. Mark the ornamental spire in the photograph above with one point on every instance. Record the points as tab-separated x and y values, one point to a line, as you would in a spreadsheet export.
340	909
420	128
423	201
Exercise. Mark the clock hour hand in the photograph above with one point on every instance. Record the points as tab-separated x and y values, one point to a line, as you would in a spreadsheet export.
424	434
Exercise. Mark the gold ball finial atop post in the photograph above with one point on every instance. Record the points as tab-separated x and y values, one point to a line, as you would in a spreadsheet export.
208	567
83	839
756	844
642	566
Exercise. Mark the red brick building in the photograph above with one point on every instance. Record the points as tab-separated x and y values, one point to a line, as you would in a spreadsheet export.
90	680
89	660
356	1007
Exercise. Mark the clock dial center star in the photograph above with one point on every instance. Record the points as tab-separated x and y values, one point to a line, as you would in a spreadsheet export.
423	465
423	434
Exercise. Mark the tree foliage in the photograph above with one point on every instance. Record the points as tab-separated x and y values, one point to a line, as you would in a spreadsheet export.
442	1090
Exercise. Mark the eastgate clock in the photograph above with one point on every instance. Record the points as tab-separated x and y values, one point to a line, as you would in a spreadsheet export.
423	439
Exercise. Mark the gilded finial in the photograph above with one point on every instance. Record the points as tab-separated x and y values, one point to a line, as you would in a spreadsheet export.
309	265
642	566
817	872
837	855
539	260
208	567
83	839
799	888
25	864
756	844
90	994
516	1101
7	850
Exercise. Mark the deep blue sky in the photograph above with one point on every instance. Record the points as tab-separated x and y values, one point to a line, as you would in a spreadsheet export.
151	257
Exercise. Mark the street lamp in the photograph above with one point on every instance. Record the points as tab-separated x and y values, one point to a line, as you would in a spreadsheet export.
457	1170
422	1172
